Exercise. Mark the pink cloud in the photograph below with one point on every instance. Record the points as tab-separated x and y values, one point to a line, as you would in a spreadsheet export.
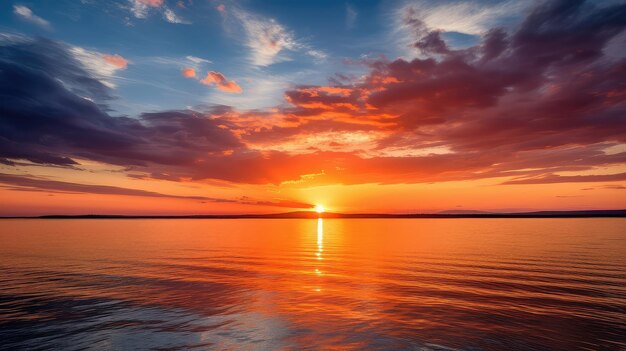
189	72
116	60
153	3
223	84
221	8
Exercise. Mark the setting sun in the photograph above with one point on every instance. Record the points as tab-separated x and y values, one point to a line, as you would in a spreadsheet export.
319	208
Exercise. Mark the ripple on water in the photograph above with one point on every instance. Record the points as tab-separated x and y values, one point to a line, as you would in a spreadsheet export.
393	284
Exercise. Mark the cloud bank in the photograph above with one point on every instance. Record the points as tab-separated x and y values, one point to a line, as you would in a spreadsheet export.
529	103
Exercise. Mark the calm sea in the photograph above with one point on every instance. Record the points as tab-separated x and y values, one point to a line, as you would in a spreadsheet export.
307	284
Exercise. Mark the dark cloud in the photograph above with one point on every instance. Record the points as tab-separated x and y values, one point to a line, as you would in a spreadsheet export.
535	93
546	84
26	183
554	178
34	184
608	186
547	77
273	133
49	114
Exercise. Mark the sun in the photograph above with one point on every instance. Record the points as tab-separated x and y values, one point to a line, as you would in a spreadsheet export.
319	208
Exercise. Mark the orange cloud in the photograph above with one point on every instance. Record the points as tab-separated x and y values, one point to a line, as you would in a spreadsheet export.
223	84
116	60
318	98
336	90
189	72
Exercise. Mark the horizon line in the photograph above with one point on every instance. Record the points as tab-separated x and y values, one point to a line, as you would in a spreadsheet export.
313	214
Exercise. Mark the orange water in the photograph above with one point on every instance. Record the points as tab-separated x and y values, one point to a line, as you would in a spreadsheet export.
333	284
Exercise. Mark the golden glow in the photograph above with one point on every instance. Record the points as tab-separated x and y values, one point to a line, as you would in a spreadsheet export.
319	208
483	194
320	247
320	237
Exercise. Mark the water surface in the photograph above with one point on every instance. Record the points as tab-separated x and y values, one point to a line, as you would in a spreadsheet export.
333	284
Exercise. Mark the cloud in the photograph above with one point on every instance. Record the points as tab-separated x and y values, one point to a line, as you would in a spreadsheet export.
317	54
116	60
555	178
153	3
265	38
32	183
351	16
222	84
528	94
142	8
525	104
103	66
27	183
263	90
197	60
172	17
57	112
268	40
501	89
608	186
28	15
469	17
281	203
181	62
465	21
220	8
338	99
68	64
189	72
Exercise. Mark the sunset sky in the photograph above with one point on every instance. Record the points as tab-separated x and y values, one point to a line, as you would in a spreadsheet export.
201	107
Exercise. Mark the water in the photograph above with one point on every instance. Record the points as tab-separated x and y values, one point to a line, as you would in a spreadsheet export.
336	284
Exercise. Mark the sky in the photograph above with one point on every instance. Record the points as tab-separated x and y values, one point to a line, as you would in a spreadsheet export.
215	107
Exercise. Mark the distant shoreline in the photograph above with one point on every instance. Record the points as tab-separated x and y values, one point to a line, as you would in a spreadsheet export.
314	215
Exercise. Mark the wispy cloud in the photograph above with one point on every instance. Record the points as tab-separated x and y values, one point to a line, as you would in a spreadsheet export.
609	187
142	8
29	183
180	62
261	89
351	16
265	38
268	40
102	66
472	18
28	15
555	178
172	17
468	17
197	60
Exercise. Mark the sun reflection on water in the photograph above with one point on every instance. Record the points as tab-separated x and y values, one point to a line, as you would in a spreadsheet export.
320	237
320	246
